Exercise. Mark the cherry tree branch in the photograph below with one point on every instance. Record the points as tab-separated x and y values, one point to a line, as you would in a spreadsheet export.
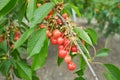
79	48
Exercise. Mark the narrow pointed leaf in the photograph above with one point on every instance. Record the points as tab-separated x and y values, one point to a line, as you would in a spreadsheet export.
3	3
30	9
59	61
21	11
40	13
36	42
5	67
113	71
8	7
102	52
24	71
93	35
23	38
39	59
108	76
83	35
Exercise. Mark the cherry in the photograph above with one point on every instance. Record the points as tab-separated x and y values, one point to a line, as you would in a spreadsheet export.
53	40
48	33
60	40
56	33
62	53
67	48
59	22
71	66
47	17
16	35
1	37
65	16
42	25
74	49
67	59
60	47
16	38
66	42
51	12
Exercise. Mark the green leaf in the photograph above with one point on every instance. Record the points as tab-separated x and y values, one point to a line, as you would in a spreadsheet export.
40	13
83	64
79	78
102	52
93	35
3	3
108	76
36	42
23	38
75	9
23	71
113	71
59	61
5	67
84	49
39	59
8	7
21	11
30	9
80	72
34	76
83	35
3	46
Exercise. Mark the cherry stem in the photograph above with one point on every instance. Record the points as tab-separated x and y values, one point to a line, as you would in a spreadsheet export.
10	77
79	48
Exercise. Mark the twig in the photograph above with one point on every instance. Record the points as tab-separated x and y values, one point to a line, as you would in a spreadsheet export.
80	50
10	77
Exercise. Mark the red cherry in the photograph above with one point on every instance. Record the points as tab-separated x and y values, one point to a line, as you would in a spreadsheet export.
65	16
47	17
42	25
71	66
56	33
51	12
67	48
16	35
66	42
16	38
60	47
62	53
1	37
48	33
59	22
60	40
74	49
53	40
67	59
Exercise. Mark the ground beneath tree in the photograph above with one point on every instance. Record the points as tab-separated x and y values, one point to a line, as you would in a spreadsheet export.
51	71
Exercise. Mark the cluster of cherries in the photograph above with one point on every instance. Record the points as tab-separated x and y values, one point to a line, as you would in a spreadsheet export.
58	37
65	46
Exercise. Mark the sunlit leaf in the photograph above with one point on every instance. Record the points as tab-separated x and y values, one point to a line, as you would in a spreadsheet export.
102	52
36	42
83	35
39	59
